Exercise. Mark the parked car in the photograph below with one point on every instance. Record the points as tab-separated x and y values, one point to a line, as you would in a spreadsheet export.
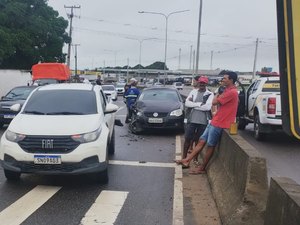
178	85
62	129
261	105
120	87
158	84
110	91
149	84
158	108
15	95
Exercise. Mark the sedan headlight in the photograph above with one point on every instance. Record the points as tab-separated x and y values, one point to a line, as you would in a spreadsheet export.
87	137
177	112
14	137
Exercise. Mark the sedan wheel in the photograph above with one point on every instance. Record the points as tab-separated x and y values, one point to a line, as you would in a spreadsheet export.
111	147
134	125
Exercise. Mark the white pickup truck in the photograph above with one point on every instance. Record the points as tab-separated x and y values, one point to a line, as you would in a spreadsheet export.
261	105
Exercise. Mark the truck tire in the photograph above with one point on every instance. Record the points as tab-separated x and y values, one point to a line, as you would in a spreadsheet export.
258	135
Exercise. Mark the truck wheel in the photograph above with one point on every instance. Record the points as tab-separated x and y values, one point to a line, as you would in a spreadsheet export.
258	135
10	175
242	124
111	146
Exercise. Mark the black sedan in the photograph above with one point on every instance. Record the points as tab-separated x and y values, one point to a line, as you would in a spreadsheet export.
158	108
14	96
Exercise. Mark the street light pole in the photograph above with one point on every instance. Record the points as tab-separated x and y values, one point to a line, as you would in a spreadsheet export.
198	39
166	35
140	52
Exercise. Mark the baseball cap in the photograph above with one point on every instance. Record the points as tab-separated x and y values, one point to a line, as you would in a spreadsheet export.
203	79
133	80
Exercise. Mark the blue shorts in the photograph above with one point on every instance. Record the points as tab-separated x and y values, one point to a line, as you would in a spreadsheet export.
211	135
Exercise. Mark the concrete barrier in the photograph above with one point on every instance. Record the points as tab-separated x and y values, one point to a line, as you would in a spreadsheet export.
238	176
283	205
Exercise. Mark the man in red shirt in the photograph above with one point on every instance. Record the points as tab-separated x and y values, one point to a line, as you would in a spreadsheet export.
227	103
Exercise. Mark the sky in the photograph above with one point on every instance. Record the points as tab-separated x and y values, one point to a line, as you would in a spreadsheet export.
111	32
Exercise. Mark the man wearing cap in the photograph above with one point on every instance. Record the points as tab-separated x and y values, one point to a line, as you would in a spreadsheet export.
199	101
131	95
227	103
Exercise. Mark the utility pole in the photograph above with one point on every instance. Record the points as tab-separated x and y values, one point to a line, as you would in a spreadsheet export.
127	74
191	53
76	76
179	58
211	59
193	63
255	59
70	16
198	39
103	68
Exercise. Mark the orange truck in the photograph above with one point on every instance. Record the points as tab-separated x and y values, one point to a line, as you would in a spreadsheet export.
49	73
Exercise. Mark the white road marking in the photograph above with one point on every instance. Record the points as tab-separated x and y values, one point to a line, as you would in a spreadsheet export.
178	218
142	163
105	209
20	210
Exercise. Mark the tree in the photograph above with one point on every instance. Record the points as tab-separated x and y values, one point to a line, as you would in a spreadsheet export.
156	65
30	31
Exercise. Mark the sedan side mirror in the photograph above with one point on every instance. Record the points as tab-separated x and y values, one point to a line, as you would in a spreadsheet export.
111	108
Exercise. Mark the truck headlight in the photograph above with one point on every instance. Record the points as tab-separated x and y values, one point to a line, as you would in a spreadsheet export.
87	137
14	137
177	112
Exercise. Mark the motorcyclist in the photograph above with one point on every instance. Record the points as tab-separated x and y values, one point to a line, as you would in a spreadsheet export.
131	96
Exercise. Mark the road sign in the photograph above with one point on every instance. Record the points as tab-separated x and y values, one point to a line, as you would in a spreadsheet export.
288	19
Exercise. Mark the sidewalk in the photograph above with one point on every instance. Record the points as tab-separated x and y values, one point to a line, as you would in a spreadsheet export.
199	205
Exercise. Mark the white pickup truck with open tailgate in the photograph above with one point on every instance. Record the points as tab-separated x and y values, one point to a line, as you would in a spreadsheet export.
262	106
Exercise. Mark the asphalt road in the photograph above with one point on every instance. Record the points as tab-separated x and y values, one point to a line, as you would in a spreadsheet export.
281	151
141	172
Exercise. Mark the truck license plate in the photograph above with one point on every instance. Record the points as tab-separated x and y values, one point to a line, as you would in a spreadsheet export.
47	159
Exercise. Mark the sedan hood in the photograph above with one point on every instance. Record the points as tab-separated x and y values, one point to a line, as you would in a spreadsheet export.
9	103
158	106
54	124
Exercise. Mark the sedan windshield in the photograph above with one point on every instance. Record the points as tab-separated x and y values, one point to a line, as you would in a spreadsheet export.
19	93
159	95
62	102
108	87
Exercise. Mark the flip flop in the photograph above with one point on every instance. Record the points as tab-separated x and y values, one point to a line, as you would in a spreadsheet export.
185	166
179	162
196	172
